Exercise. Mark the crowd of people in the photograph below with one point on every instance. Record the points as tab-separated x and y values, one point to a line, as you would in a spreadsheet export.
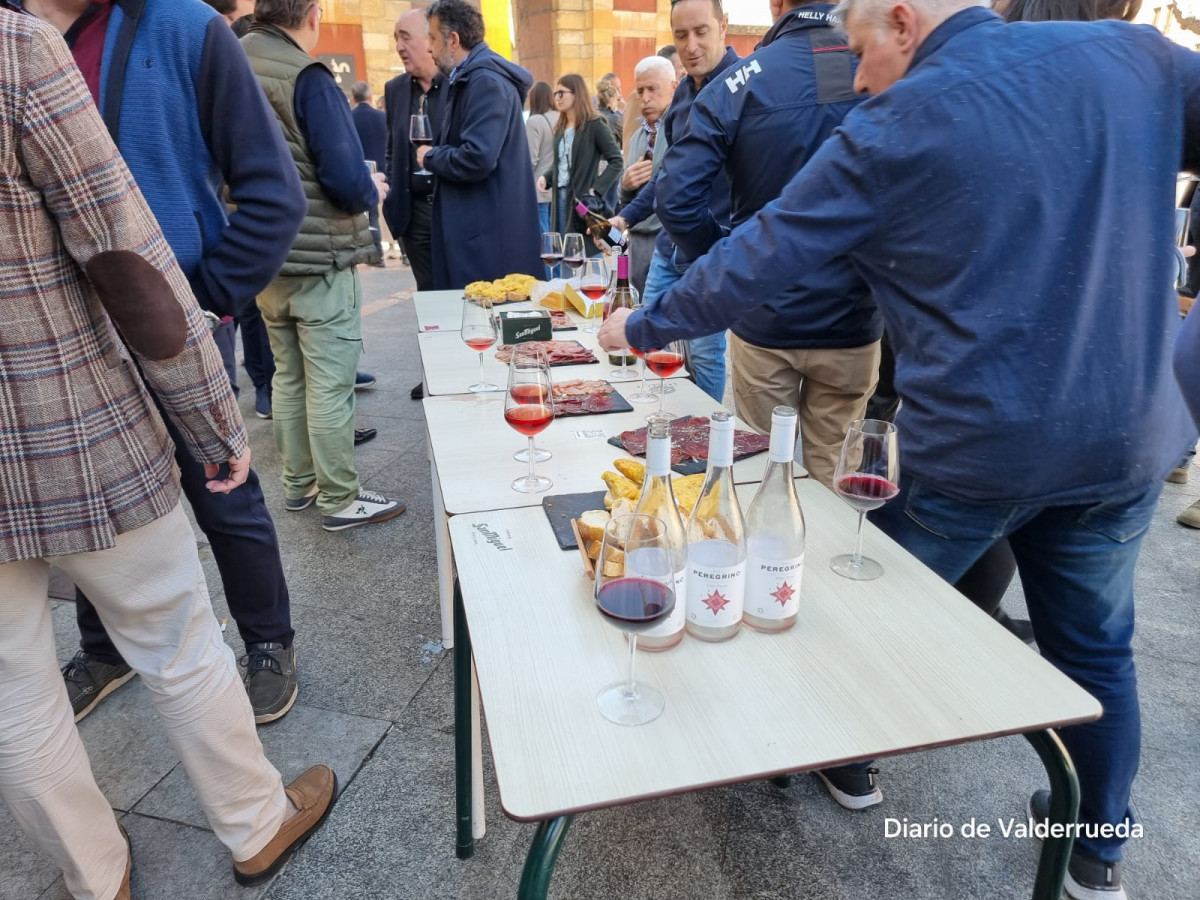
903	206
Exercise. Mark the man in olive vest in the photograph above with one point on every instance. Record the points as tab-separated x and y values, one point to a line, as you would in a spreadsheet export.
313	308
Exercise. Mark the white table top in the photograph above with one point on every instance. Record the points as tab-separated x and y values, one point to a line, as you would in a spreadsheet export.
450	366
438	310
473	447
871	669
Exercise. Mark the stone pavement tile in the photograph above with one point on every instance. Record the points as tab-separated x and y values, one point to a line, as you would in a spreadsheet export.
433	706
1165	862
391	834
1170	705
302	738
398	448
362	665
24	873
172	862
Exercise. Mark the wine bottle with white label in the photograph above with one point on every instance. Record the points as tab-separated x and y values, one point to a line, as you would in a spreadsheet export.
657	499
716	544
775	535
599	226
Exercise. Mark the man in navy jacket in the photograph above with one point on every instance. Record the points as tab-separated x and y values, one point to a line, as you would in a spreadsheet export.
371	125
185	110
760	123
1007	196
485	218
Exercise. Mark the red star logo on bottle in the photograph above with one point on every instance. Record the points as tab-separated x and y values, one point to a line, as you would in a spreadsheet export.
783	593
716	601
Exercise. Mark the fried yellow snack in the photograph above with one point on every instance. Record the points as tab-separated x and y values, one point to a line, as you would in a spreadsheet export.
620	486
687	490
632	469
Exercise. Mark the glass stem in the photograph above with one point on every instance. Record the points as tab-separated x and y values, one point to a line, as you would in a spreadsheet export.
532	477
643	390
662	392
481	380
857	561
631	688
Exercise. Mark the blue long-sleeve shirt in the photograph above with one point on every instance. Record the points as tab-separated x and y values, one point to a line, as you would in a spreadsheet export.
328	128
1010	204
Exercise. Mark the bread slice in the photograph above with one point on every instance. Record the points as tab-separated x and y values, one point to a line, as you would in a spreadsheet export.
592	524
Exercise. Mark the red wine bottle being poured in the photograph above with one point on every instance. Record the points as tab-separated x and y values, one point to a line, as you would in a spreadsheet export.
600	226
775	535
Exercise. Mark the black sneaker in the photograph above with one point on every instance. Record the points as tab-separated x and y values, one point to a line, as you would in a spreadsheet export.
418	393
262	402
1018	628
270	680
89	681
363	380
366	508
852	788
362	435
1088	878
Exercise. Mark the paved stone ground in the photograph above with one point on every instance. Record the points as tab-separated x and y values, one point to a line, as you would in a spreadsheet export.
375	702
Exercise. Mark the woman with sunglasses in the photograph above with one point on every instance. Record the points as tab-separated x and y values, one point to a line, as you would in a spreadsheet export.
582	139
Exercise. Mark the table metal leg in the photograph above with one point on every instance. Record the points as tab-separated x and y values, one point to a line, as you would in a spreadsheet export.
463	780
478	820
539	862
1064	809
445	559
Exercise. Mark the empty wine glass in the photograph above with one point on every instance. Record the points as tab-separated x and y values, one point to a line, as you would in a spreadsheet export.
634	590
420	132
479	333
867	476
552	251
664	363
529	408
573	255
528	395
594	284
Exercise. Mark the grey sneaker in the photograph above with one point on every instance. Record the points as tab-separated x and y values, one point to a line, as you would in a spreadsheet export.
297	504
89	681
364	509
1088	878
270	680
852	788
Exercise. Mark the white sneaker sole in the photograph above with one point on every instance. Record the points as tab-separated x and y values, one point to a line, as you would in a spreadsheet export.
850	801
279	714
1077	891
104	692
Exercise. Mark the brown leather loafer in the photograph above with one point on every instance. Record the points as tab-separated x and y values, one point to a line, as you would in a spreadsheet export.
313	794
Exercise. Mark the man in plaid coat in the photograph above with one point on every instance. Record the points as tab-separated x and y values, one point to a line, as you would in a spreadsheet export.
87	483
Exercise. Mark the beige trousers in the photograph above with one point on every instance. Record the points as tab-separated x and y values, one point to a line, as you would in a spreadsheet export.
828	388
150	593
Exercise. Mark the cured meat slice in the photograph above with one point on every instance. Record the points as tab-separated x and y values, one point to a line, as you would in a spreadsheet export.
558	353
689	441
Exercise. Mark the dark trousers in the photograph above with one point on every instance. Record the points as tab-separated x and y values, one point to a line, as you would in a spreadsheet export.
242	536
418	241
373	222
256	347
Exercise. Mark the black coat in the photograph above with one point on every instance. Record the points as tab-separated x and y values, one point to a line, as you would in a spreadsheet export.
397	100
593	142
485	217
371	125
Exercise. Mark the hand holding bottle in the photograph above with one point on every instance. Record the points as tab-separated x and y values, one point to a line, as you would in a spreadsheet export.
612	333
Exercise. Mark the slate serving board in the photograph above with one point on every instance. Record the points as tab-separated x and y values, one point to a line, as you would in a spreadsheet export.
619	405
561	509
692	466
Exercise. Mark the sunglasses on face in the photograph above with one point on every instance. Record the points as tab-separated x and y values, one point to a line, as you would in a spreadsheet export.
562	93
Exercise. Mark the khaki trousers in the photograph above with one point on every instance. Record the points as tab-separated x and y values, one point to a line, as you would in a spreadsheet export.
828	388
150	593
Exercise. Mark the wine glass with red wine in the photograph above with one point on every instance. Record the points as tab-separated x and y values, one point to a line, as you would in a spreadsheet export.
531	394
594	284
529	408
573	255
634	590
867	476
420	132
552	250
479	333
664	363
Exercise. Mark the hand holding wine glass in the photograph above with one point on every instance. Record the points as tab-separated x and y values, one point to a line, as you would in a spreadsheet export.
479	333
634	590
420	133
529	408
867	476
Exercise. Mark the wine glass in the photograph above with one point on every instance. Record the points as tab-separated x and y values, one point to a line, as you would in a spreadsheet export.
867	476
635	589
552	250
529	408
479	333
573	256
664	363
529	394
420	132
643	395
593	284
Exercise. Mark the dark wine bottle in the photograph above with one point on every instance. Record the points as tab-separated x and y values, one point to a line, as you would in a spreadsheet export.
600	226
624	296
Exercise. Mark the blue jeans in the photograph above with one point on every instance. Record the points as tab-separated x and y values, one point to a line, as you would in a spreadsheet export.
544	218
1076	565
706	354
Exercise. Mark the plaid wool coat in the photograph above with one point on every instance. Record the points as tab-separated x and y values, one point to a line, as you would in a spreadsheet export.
85	271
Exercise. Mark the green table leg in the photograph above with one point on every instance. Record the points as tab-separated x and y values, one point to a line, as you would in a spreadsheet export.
1064	809
462	727
539	863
